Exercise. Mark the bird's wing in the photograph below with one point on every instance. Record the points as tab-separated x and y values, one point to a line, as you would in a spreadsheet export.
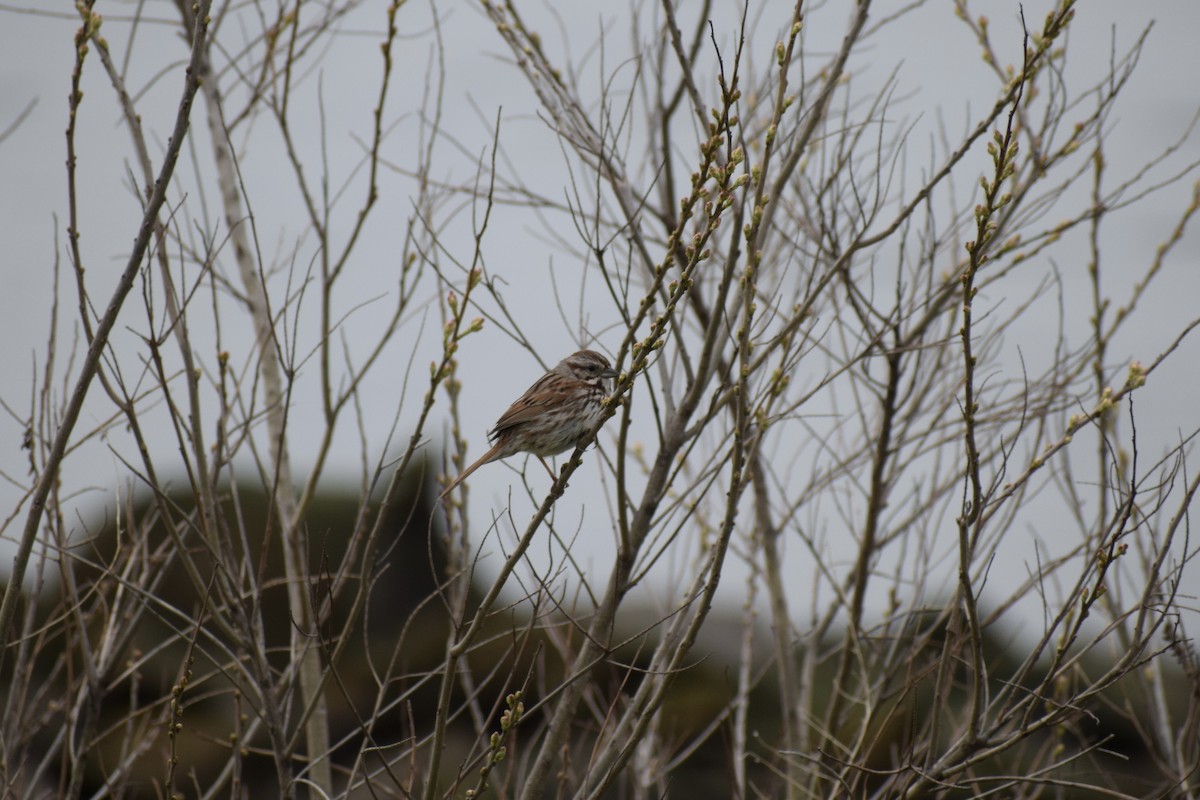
528	406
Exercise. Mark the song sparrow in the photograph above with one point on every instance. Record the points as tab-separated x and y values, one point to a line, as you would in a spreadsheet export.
553	415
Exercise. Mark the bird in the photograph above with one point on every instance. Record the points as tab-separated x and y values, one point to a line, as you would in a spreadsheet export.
554	415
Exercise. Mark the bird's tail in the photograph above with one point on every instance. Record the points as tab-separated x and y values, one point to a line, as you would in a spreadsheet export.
490	455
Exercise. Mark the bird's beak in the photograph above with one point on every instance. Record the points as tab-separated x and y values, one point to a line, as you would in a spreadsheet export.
609	372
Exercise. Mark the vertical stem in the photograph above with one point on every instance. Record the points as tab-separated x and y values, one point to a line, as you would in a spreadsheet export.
1099	304
781	625
303	651
1003	149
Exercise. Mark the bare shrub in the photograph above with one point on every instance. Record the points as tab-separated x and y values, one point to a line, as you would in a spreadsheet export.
875	437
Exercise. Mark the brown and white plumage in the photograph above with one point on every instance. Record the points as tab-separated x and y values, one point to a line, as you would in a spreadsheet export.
553	415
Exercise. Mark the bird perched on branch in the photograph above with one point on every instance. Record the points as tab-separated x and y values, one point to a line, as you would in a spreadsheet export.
553	416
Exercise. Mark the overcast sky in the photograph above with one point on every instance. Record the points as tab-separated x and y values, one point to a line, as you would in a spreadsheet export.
939	76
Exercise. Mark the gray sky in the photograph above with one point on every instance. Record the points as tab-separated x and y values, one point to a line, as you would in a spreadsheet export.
939	76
